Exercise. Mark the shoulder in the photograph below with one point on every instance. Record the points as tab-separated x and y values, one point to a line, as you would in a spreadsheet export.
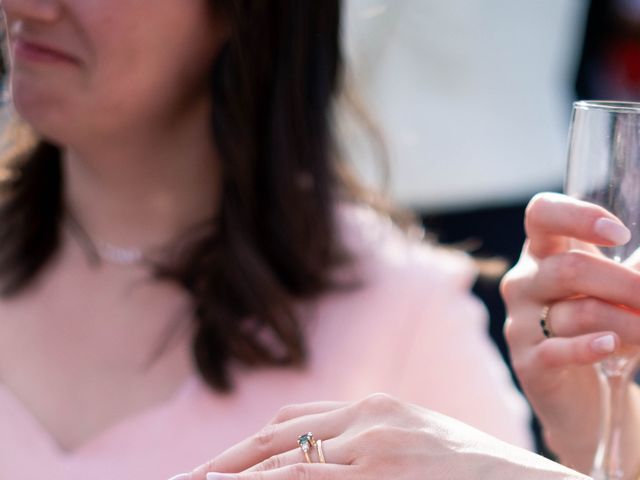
396	281
385	255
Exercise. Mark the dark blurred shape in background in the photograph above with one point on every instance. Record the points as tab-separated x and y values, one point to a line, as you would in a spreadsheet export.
610	60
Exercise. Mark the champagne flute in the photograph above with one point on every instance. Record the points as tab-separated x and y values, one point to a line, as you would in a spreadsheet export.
604	168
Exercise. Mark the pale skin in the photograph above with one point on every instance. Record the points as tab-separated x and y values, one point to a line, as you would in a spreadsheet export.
595	310
130	109
378	437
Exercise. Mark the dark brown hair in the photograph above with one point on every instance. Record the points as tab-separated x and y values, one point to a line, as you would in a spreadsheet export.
275	240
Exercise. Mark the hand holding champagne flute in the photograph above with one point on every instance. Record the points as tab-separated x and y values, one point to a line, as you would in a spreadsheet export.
579	271
604	169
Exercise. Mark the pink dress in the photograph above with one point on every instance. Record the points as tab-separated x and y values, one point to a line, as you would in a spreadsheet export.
412	330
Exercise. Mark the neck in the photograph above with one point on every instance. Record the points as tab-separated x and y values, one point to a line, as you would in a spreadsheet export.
146	188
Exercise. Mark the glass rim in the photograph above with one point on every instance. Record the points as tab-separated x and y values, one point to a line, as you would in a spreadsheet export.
607	105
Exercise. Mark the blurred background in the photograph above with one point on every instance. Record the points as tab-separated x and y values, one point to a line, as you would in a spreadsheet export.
474	100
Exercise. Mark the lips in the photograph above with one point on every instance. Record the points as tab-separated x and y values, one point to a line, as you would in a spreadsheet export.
40	53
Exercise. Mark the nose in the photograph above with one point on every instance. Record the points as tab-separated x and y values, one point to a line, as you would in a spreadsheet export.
37	11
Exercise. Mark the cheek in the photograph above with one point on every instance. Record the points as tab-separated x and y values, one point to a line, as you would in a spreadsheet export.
139	67
151	65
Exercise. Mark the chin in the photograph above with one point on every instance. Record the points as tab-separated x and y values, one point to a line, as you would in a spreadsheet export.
44	130
50	124
48	111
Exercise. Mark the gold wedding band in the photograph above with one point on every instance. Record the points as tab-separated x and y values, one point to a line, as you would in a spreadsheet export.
306	443
320	451
545	322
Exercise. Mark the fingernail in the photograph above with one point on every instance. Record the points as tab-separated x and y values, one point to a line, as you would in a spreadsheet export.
220	476
604	344
612	231
182	476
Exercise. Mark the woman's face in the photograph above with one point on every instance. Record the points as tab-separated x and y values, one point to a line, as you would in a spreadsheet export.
98	67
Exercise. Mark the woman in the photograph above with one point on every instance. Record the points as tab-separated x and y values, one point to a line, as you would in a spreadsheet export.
176	238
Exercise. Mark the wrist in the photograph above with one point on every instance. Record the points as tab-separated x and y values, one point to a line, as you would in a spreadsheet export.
576	452
576	448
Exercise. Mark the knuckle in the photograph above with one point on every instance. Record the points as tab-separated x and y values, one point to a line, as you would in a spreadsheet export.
517	329
537	202
263	439
508	285
509	330
568	268
209	466
270	463
586	314
298	471
379	403
516	283
535	210
286	413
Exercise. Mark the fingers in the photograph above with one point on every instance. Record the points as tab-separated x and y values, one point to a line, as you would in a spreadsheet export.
580	273
569	274
331	452
274	439
558	352
552	219
567	277
290	412
298	471
553	272
588	315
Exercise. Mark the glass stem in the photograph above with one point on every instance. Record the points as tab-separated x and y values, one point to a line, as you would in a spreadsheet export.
608	463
